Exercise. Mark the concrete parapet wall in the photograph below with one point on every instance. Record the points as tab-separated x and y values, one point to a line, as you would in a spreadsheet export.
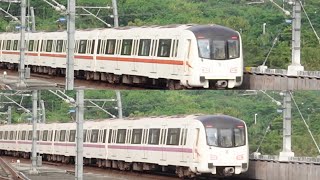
275	170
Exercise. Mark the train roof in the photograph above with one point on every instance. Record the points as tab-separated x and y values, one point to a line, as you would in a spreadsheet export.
196	28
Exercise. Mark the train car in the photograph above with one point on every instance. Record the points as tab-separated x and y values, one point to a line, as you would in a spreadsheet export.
187	145
175	56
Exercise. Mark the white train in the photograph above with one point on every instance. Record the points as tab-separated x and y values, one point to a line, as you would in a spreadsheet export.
175	56
189	145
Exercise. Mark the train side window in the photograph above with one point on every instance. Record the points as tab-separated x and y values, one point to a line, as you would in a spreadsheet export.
92	46
59	46
144	47
175	49
8	44
64	49
36	46
15	45
121	136
82	46
62	135
57	136
49	45
126	47
99	46
84	135
45	135
185	137
11	135
136	136
50	135
31	44
5	135
104	136
110	135
173	136
72	136
164	47
0	44
1	132
111	46
30	135
38	135
154	136
42	45
94	135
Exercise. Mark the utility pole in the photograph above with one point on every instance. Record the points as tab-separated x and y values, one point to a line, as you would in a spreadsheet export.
295	66
286	152
33	20
115	13
9	115
79	121
34	132
119	103
71	44
21	84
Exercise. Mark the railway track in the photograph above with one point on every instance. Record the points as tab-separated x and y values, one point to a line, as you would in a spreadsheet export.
7	172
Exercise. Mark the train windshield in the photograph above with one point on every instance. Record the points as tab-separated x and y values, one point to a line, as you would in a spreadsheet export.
225	137
218	49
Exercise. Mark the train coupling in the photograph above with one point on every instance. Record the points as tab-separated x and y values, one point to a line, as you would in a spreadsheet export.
228	171
221	84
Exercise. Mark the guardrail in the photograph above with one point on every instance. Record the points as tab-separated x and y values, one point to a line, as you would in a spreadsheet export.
281	72
305	160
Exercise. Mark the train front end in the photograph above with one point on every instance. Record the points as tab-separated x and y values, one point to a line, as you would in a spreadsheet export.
226	149
217	59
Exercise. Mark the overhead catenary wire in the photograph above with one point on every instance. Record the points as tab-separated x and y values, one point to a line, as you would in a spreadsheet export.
305	123
314	31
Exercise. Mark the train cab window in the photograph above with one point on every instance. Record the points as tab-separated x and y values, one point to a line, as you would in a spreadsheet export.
45	135
126	47
31	44
62	135
154	135
49	45
110	136
82	46
233	49
164	48
173	136
144	47
212	136
72	136
204	48
8	46
59	46
219	50
5	135
225	139
111	46
30	135
15	45
136	136
1	134
239	136
121	136
85	135
94	135
104	136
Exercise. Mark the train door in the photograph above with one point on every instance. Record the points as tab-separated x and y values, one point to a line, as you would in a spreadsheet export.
128	142
187	56
153	54
175	68
196	154
66	143
134	54
163	142
183	141
118	54
144	143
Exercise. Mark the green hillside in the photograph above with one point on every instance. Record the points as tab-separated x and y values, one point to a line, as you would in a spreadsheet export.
237	14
